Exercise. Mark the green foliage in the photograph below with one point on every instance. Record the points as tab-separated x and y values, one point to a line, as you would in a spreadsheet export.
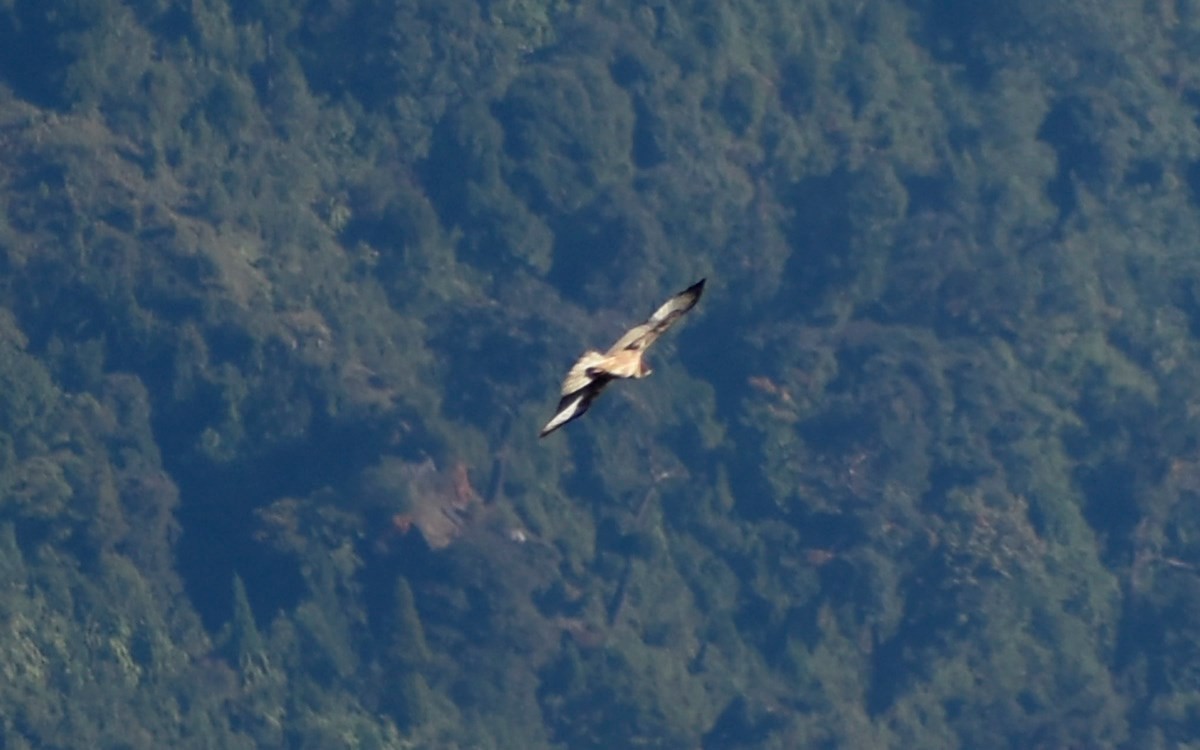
920	470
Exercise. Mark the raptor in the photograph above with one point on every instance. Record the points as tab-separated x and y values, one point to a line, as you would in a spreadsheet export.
624	359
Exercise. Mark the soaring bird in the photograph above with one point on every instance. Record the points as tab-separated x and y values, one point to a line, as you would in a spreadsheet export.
589	376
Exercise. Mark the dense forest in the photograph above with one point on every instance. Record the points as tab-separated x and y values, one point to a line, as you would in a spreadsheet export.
289	287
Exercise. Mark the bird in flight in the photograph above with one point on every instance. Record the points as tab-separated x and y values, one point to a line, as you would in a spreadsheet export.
589	376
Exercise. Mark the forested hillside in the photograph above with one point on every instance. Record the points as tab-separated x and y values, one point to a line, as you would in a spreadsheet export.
288	288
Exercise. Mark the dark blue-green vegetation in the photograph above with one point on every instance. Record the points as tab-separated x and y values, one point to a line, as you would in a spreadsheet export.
288	287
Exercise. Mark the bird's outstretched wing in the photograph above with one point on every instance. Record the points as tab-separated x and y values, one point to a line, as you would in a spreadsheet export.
573	405
583	372
641	337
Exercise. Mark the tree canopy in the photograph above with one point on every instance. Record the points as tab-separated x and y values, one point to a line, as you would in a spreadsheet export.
288	287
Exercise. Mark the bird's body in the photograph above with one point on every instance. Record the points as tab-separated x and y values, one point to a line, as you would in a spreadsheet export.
624	359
